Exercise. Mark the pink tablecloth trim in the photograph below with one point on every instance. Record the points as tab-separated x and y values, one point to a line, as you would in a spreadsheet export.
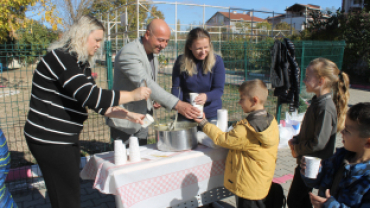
283	179
135	192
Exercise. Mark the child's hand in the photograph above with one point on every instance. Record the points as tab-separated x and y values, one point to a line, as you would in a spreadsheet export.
303	166
318	201
291	145
198	120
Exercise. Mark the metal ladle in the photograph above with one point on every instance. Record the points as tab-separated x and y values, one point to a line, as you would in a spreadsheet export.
144	81
177	114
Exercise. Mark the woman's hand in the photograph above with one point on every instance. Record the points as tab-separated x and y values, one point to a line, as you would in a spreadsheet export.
201	99
135	117
318	201
141	93
119	112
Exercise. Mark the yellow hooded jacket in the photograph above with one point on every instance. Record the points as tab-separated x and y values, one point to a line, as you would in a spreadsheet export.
250	163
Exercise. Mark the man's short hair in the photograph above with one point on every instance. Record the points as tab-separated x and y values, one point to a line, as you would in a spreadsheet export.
360	113
255	88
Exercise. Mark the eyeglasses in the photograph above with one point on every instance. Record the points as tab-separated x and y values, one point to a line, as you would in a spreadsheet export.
161	40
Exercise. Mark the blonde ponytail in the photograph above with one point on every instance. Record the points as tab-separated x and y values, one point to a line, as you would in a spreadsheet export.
338	81
341	98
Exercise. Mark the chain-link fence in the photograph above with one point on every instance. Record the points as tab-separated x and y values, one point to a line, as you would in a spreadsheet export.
243	61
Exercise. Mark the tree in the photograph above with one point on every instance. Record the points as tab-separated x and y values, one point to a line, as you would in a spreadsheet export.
13	16
33	44
367	5
147	12
73	10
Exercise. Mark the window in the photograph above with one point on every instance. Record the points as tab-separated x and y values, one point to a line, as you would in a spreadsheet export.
357	1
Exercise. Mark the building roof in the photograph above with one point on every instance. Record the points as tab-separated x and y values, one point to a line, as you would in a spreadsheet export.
309	6
276	16
239	16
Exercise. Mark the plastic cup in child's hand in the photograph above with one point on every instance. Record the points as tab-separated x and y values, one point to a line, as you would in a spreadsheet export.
312	166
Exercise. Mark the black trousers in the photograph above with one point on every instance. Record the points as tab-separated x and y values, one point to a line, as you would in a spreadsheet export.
59	165
245	203
298	193
141	135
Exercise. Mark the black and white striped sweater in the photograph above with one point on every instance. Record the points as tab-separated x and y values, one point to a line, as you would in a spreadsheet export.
62	88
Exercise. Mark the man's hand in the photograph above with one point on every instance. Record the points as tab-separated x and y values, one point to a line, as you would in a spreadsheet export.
141	93
201	99
156	105
187	110
318	201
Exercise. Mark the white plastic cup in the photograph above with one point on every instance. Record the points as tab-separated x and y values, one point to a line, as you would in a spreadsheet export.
312	166
134	150
120	159
118	147
200	107
193	95
120	152
147	121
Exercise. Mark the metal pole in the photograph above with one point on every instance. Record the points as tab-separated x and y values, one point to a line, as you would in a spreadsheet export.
204	12
273	24
176	29
137	19
108	27
116	32
126	25
228	30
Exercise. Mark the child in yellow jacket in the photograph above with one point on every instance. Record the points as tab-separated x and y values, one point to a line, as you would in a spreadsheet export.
252	144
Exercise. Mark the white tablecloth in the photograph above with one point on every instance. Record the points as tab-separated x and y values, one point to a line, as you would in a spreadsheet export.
160	179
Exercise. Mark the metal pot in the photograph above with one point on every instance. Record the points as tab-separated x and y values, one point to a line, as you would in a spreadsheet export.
182	137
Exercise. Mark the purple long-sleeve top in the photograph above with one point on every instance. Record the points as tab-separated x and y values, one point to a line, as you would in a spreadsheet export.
212	84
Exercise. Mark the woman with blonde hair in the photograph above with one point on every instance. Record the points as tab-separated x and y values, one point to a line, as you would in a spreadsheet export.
62	90
200	71
324	118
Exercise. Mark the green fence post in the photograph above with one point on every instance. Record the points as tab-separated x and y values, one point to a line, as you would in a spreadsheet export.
343	44
278	110
245	61
302	66
108	60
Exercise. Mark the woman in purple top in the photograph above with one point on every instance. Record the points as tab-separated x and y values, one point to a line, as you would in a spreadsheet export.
201	71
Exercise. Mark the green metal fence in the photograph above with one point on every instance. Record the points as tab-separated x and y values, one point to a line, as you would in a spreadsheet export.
243	61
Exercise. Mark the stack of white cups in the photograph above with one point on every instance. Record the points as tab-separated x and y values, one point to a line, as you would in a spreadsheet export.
120	153
222	119
134	150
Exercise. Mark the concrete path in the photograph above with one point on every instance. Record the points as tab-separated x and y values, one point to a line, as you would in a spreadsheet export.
93	198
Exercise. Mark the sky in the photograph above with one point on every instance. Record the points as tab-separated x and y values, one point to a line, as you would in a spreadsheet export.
193	14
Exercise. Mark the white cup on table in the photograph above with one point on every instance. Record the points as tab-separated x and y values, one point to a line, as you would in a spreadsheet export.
120	155
134	150
312	166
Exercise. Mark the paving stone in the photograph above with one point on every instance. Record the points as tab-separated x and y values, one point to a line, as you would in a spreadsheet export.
87	204
32	203
111	204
